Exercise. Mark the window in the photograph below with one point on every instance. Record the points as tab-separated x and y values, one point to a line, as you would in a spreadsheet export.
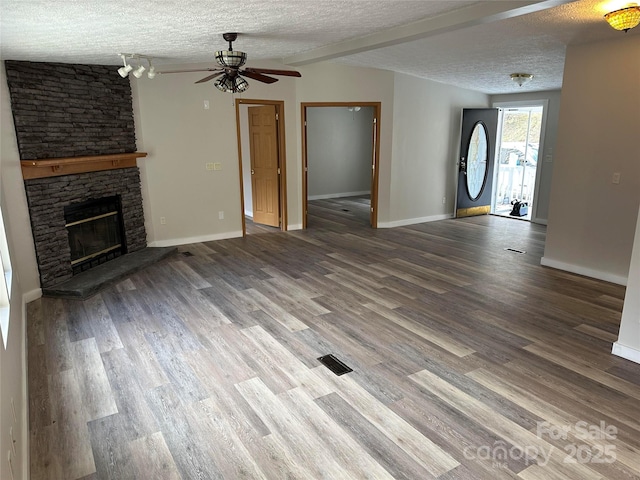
5	282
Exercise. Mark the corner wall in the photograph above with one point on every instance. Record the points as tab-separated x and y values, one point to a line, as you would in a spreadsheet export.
13	359
628	344
591	219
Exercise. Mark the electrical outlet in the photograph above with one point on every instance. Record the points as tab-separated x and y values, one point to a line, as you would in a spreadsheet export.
616	178
217	166
209	166
220	215
163	221
444	200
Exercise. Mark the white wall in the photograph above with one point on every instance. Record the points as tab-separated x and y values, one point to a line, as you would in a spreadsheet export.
591	223
546	156
339	151
628	344
16	209
426	137
181	136
13	358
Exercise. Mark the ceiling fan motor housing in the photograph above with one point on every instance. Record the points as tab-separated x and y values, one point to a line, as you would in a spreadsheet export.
231	58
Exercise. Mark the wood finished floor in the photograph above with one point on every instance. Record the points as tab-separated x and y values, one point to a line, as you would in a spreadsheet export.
470	361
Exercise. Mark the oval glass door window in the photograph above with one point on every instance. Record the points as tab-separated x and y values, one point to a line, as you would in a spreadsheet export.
477	161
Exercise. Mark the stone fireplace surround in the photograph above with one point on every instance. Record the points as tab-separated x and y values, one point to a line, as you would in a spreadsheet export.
47	198
76	137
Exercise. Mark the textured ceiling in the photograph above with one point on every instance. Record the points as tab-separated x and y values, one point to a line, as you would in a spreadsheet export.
478	56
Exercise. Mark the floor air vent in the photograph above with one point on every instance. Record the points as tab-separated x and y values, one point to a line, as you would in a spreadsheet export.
335	365
521	252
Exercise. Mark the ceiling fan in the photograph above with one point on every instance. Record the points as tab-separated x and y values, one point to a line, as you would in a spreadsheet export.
230	68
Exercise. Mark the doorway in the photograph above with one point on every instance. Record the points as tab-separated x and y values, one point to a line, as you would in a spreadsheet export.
340	149
517	174
262	165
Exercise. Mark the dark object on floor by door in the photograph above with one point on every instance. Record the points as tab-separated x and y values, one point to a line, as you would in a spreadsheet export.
520	209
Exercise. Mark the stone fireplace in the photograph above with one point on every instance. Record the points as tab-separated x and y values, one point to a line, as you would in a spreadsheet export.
76	137
49	197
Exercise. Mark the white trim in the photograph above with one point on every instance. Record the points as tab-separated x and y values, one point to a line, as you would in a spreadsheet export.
338	195
587	272
296	226
185	241
31	295
540	221
413	221
26	456
623	351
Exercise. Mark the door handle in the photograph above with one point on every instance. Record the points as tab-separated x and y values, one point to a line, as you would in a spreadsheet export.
252	172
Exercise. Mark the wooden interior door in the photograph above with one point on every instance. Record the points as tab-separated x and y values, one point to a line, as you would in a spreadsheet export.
263	143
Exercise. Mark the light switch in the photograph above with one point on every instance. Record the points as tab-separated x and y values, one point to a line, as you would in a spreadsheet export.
209	166
217	166
616	178
206	104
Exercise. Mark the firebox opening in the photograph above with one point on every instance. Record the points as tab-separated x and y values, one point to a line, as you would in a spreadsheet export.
95	232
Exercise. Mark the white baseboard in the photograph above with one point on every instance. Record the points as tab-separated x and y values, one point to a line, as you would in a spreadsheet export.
540	221
413	221
26	453
338	195
623	351
32	295
587	272
296	226
174	242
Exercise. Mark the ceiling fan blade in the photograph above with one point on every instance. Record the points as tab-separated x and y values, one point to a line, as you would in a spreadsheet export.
191	70
270	71
258	76
210	77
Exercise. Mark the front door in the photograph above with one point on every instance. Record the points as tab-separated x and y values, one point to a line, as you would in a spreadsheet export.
263	142
475	166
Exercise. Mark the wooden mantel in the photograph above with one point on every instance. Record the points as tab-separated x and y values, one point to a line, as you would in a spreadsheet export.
54	167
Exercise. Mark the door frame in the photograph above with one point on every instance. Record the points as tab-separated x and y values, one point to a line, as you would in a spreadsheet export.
504	105
375	155
282	157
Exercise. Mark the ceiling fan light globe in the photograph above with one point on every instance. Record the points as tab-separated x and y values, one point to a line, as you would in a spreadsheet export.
231	58
224	84
240	84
